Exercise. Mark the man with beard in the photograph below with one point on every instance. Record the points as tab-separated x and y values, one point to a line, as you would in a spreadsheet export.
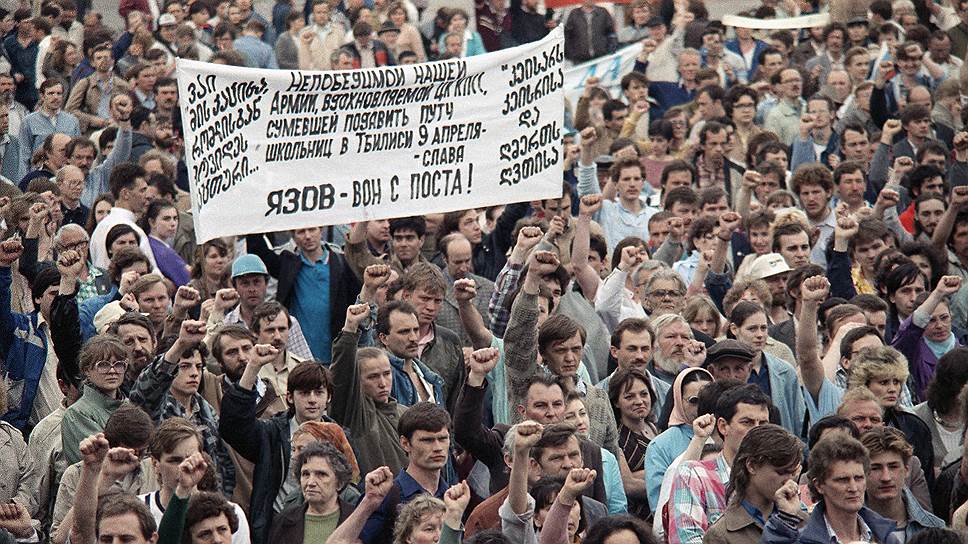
459	264
17	110
270	323
138	336
250	281
675	348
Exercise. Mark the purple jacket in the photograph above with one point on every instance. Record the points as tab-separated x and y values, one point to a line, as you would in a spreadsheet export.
921	360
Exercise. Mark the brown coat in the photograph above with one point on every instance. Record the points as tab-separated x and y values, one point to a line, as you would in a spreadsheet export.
85	98
736	526
485	516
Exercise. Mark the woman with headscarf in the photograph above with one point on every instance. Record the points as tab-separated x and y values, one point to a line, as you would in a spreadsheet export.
674	440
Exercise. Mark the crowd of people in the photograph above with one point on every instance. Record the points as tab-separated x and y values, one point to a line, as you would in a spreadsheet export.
744	318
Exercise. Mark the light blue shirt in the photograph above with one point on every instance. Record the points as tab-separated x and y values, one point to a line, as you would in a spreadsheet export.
661	453
37	126
256	52
614	490
616	221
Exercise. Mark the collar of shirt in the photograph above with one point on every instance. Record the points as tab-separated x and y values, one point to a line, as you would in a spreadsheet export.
324	259
865	532
754	512
409	487
425	341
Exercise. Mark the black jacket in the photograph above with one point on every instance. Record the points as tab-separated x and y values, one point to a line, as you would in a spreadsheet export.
490	255
290	524
263	442
285	266
918	435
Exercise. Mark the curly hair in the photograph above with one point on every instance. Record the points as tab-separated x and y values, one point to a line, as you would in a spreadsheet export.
877	362
412	513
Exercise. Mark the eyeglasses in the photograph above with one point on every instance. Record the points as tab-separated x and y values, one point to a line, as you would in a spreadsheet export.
693	400
663	293
75	246
107	366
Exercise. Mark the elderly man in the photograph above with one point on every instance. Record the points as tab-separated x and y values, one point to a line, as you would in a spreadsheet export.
70	181
675	348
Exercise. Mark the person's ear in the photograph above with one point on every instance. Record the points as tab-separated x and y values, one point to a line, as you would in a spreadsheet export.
721	425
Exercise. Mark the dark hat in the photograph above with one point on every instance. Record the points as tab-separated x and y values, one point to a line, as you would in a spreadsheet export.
858	21
655	21
728	349
387	26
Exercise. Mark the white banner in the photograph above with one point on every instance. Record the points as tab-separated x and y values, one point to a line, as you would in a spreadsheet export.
271	150
786	23
609	70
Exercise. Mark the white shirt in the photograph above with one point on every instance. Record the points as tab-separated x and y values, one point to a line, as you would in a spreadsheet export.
240	536
117	216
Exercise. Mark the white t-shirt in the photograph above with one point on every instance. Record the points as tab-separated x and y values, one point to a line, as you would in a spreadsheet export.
241	536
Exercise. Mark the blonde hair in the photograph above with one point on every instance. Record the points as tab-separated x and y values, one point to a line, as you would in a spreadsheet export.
857	394
876	362
411	514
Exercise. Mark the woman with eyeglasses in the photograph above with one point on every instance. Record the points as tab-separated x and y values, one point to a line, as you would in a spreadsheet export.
102	363
776	377
925	335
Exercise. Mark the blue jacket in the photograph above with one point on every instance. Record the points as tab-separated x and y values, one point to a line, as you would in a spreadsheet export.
403	389
24	350
787	394
733	45
780	530
90	307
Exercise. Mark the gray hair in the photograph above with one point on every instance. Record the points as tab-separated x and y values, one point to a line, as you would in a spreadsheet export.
68	228
63	171
667	274
648	266
665	320
341	467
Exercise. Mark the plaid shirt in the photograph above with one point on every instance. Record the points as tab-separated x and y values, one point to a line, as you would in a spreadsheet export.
206	421
697	499
505	283
151	393
296	344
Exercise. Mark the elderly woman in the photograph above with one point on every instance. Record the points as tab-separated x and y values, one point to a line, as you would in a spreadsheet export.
925	335
321	471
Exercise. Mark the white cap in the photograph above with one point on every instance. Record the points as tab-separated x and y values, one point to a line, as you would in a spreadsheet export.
768	265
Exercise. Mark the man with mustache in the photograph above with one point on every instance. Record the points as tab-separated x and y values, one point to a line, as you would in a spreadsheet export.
270	323
675	347
398	329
